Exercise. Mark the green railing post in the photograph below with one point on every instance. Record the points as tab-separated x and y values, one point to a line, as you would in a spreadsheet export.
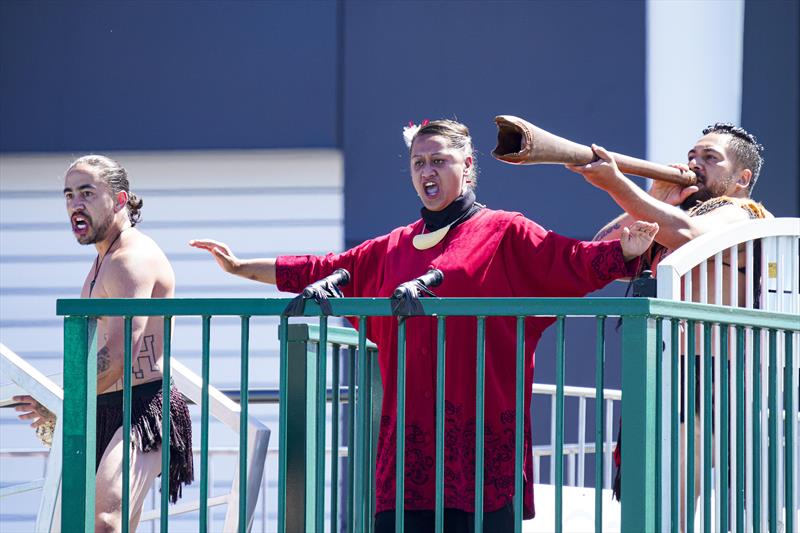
363	453
722	432
401	428
79	425
127	401
283	416
740	429
772	427
599	416
638	410
336	355
204	422
559	453
659	428
375	406
756	454
166	383
318	513
351	439
519	426
675	465
480	389
440	419
299	429
244	388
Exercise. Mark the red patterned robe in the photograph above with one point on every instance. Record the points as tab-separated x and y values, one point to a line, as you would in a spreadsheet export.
492	254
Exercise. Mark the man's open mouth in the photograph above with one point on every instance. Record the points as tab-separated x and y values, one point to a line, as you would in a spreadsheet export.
80	224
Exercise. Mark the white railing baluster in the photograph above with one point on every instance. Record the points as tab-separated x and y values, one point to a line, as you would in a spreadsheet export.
717	411
609	447
795	285
749	275
733	259
552	479
571	469
700	451
581	439
766	245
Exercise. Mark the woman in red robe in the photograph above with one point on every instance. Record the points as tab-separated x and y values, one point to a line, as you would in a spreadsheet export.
482	253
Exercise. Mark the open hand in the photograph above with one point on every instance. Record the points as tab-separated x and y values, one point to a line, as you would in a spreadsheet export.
637	238
33	410
224	256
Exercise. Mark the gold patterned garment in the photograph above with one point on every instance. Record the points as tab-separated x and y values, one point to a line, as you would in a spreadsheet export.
754	209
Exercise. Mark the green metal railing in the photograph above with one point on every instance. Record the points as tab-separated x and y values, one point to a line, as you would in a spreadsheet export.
301	506
303	437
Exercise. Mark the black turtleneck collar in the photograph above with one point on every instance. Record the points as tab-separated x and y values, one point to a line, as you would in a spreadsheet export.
459	210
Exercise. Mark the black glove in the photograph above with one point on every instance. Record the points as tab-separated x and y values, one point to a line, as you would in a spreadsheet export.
319	291
405	299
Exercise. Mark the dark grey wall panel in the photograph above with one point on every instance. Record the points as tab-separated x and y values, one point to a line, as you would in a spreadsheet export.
167	75
574	68
770	99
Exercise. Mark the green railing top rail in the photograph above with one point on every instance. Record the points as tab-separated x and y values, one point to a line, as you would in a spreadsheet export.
335	335
574	307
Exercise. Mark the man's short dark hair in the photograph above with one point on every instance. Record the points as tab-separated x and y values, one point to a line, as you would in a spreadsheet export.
746	148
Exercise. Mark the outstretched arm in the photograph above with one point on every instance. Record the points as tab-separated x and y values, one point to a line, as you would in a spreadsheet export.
262	269
676	227
663	191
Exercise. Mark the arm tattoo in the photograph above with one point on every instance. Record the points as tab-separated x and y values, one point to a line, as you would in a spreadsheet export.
606	231
103	360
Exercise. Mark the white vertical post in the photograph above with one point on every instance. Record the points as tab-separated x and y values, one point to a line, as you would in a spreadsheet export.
553	439
581	439
708	54
609	443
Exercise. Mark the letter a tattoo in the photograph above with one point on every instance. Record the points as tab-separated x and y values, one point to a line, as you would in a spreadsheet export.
147	356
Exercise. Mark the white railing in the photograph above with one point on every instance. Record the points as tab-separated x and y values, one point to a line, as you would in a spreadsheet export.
576	452
751	264
32	382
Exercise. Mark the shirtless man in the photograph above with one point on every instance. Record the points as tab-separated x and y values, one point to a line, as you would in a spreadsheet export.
103	212
727	161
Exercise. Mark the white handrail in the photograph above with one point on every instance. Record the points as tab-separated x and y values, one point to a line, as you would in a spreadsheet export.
580	392
51	396
705	246
29	378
